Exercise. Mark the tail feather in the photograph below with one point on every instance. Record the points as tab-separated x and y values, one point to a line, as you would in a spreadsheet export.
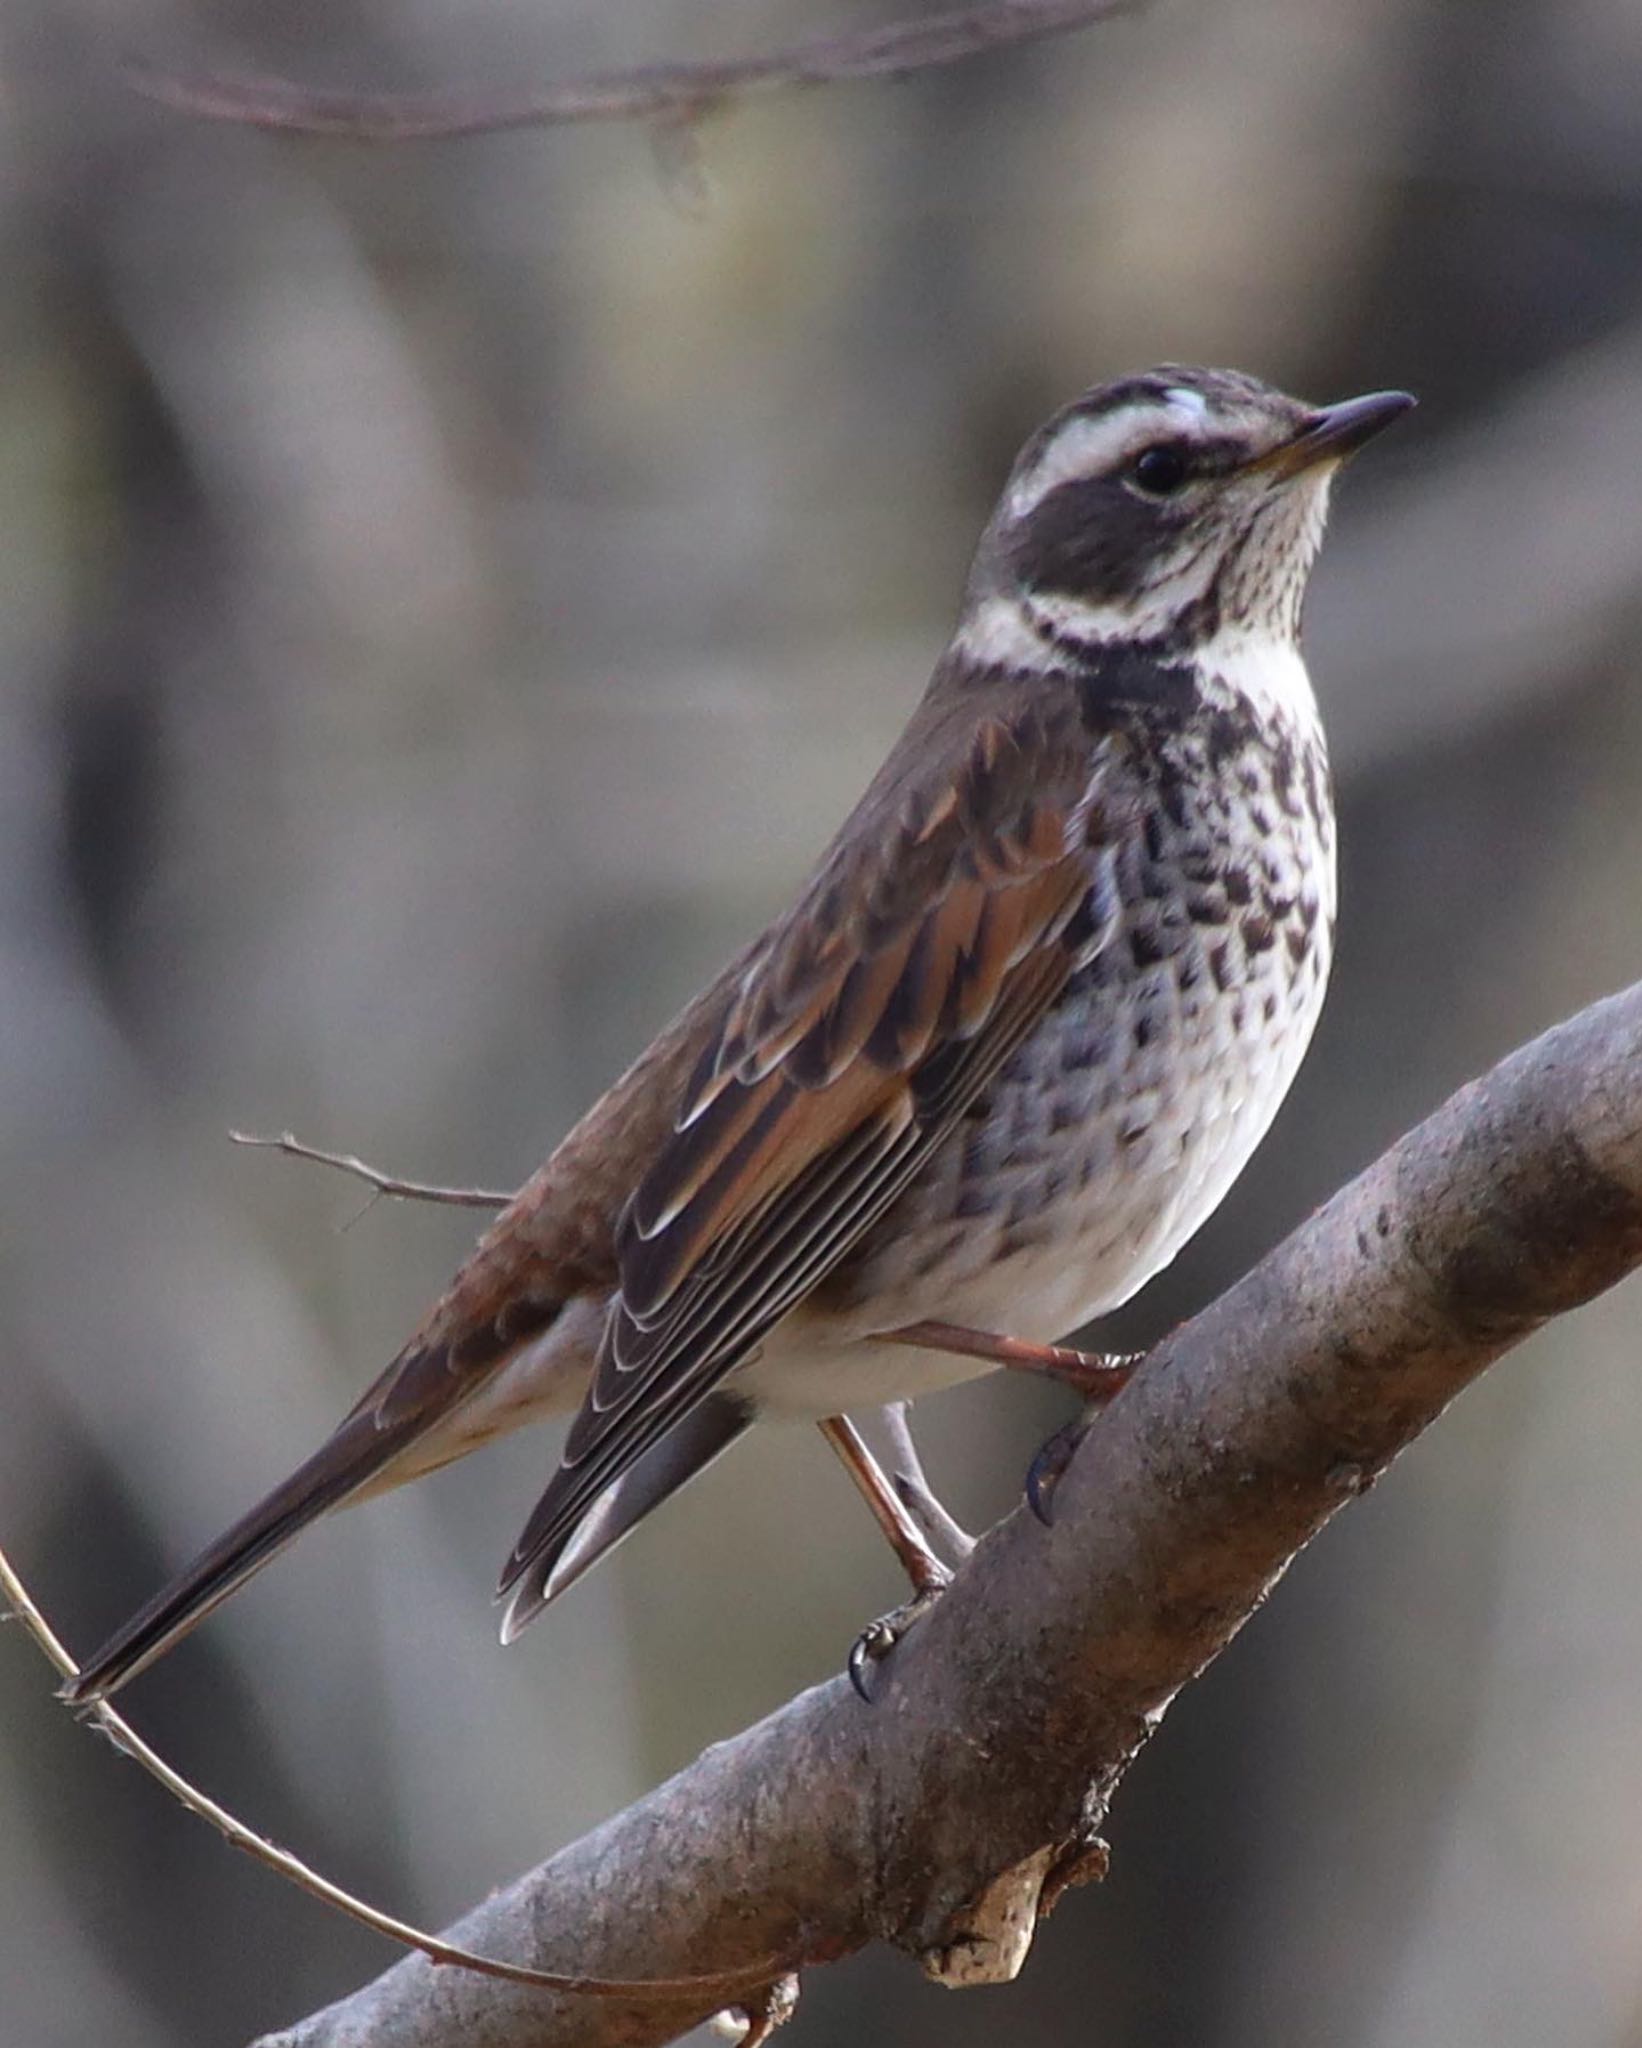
689	1447
344	1466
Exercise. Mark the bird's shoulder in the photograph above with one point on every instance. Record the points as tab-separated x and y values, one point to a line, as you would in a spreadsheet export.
988	802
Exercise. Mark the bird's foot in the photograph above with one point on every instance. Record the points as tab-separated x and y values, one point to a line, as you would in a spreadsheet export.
1046	1470
1044	1474
1096	1375
878	1638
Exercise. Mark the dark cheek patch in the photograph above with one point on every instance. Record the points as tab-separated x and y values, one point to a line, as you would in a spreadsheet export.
1095	539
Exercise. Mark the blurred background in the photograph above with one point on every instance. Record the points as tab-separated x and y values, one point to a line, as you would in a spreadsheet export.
447	596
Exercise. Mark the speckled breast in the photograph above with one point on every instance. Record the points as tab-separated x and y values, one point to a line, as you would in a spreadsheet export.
1119	1125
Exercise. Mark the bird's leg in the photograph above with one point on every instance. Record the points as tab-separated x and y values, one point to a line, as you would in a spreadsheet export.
929	1576
905	1538
1096	1375
917	1496
906	1508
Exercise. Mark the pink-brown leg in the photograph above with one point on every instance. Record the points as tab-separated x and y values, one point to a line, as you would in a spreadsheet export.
903	1535
929	1576
913	1489
1097	1376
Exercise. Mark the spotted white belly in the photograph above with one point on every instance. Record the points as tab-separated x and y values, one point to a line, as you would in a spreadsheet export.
1108	1140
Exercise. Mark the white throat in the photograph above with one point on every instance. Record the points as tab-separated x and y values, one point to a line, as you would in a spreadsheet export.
1043	634
1266	669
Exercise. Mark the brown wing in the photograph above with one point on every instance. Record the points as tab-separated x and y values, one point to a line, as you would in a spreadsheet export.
948	914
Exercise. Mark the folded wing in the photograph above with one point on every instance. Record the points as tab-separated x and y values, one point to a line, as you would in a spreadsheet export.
946	918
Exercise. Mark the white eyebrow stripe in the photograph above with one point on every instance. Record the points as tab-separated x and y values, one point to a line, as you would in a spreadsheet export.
1084	446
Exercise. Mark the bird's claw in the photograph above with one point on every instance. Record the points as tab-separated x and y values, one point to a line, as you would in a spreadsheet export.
1104	1374
1044	1473
879	1637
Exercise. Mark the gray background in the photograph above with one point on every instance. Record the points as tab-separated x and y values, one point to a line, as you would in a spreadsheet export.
447	595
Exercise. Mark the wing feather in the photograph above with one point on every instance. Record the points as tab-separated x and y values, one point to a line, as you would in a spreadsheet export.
858	1032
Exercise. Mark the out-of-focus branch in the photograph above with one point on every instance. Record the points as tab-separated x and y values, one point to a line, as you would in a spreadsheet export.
675	92
947	1815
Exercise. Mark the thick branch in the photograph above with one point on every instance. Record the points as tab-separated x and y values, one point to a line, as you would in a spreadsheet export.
679	92
1004	1723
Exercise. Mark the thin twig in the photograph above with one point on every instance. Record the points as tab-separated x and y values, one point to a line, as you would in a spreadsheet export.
388	1184
647	92
751	1982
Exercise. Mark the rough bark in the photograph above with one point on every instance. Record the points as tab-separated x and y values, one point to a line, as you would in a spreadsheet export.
1006	1720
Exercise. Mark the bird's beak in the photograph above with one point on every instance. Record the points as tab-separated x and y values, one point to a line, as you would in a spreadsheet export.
1333	432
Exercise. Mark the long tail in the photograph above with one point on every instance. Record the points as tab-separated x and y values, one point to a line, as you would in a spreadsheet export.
343	1466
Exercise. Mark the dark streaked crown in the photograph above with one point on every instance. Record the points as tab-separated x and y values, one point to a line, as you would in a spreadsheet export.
1167	506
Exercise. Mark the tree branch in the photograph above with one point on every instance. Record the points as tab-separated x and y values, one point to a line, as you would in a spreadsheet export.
945	1815
677	92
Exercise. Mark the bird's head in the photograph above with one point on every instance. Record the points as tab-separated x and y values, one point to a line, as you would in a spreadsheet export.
1171	507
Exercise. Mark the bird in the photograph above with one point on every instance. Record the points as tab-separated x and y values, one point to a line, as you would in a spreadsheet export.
1008	1048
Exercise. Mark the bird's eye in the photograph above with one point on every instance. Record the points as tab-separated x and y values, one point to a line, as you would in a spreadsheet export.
1159	471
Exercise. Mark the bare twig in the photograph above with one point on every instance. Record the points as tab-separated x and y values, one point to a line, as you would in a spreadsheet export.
757	1983
384	1184
944	1816
677	92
